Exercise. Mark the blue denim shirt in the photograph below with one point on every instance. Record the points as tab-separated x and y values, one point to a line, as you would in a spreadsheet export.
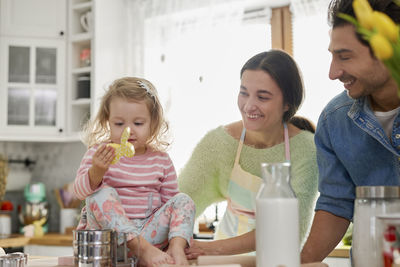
353	150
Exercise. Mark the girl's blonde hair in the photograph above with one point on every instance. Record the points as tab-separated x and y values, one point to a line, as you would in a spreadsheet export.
130	89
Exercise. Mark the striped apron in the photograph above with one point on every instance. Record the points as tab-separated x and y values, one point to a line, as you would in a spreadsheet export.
239	217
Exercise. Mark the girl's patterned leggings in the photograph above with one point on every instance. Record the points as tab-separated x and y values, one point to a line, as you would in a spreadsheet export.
174	219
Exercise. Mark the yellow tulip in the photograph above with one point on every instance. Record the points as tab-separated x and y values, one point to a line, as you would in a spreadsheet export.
385	26
381	46
363	12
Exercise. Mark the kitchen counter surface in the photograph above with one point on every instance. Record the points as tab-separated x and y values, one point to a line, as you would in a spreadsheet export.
43	262
206	261
56	239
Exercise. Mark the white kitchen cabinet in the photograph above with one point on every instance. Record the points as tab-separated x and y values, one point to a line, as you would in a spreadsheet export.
32	70
32	82
55	110
33	18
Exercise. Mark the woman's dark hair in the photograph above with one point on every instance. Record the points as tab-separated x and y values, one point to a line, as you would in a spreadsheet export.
283	69
389	7
303	123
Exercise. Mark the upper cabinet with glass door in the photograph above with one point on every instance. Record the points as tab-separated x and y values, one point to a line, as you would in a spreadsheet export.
32	95
32	70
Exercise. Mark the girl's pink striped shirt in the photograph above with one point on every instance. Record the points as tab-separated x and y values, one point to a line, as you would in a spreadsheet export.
144	182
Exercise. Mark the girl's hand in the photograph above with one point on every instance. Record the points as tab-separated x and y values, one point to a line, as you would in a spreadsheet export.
103	157
101	160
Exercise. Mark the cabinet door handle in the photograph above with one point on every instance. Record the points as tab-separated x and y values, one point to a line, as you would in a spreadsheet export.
61	33
60	130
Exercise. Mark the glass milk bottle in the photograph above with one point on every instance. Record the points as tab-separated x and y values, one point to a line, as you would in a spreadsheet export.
277	219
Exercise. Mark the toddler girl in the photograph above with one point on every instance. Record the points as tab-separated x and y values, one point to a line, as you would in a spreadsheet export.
137	195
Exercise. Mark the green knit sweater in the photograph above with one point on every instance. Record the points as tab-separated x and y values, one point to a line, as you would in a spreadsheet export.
206	175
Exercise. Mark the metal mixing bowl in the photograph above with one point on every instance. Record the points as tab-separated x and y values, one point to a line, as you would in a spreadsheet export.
31	212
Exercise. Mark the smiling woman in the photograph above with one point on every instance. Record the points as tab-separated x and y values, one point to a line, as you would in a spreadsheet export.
225	165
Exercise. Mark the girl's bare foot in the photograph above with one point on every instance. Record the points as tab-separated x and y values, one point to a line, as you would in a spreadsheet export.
176	249
152	256
148	255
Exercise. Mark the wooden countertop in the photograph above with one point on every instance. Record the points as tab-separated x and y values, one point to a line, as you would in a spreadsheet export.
341	251
14	241
50	239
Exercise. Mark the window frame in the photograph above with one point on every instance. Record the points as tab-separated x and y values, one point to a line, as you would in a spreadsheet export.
281	29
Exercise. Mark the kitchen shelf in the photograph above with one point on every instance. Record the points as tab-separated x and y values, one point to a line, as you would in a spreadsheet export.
81	102
80	40
81	70
84	6
83	37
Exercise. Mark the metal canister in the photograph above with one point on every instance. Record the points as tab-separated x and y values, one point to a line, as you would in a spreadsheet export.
99	248
93	248
370	202
16	259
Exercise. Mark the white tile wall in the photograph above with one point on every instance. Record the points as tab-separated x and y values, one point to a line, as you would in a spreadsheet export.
56	164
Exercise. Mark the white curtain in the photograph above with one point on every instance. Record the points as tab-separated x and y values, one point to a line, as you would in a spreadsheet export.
206	12
304	8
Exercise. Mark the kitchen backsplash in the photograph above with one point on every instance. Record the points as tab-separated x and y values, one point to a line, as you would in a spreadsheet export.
55	165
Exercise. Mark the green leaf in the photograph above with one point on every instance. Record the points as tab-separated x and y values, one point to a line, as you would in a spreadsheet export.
349	19
367	34
394	71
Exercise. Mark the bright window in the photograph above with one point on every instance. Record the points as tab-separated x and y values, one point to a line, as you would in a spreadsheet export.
310	50
194	59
